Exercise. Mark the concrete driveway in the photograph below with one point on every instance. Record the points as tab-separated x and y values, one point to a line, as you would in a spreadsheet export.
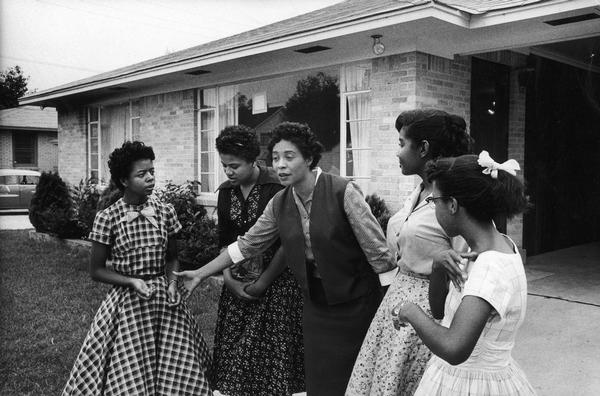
15	221
558	346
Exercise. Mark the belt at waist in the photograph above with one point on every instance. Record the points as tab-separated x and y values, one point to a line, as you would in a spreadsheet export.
145	277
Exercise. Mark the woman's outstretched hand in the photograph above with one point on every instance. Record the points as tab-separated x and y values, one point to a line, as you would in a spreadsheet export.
450	262
190	279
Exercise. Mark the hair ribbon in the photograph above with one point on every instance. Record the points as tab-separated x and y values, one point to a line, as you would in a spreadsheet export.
491	167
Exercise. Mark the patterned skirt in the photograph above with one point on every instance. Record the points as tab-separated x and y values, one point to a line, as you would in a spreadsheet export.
391	362
141	347
258	347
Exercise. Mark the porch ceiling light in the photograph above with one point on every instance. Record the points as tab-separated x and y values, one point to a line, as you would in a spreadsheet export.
378	47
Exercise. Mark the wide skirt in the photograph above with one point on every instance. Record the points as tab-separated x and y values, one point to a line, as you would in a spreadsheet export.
333	335
141	347
442	379
258	344
391	362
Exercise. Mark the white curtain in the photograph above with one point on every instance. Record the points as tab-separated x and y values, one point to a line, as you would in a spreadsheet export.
359	113
228	116
113	132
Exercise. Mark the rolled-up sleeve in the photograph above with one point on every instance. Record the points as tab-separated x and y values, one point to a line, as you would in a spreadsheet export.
258	238
369	234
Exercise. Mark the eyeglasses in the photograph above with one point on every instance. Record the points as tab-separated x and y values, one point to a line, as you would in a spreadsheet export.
432	199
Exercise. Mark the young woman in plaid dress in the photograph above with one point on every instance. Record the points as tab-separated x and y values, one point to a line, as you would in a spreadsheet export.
483	310
143	339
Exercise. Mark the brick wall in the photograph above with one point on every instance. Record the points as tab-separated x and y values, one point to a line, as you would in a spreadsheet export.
6	152
47	153
167	123
72	144
405	82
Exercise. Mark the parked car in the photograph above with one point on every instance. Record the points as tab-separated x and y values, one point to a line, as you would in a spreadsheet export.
17	187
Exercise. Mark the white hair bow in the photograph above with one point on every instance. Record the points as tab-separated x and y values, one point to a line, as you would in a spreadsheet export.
492	167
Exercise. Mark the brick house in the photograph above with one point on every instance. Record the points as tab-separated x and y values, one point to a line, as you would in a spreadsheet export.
493	62
28	138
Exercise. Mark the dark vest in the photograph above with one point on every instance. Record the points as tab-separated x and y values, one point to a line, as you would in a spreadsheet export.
344	269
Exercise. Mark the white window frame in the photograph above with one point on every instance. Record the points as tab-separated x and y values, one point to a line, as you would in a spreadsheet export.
89	144
216	126
129	133
344	94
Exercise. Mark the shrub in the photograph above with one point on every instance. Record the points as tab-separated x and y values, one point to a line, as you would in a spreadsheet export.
109	196
379	210
86	196
198	239
52	208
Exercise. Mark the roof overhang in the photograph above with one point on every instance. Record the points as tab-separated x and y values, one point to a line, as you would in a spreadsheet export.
432	27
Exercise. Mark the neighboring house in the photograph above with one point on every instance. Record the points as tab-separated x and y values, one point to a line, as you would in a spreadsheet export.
28	138
524	74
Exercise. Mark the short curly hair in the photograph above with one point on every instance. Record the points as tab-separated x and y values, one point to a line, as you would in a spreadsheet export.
120	161
239	141
301	136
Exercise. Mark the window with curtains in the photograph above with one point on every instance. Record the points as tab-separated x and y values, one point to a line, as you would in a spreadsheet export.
107	130
310	97
217	109
357	124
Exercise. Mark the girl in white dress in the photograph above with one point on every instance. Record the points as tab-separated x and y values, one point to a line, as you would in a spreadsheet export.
473	344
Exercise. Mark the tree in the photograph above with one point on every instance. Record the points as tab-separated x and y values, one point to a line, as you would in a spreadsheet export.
316	103
13	85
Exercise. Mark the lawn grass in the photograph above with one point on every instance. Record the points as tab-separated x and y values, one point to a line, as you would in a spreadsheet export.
47	302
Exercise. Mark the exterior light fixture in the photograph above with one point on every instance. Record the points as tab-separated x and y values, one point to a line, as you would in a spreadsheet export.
378	46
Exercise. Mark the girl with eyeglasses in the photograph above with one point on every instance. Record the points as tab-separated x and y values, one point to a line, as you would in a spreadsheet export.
473	343
391	361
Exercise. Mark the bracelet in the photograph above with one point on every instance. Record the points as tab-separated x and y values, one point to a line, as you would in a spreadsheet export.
171	281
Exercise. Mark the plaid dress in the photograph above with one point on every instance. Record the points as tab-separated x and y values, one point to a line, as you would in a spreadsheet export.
136	346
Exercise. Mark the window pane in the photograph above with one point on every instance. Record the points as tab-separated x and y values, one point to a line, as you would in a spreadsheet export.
207	120
93	114
204	183
208	98
24	148
228	106
135	129
94	161
357	77
94	131
205	162
113	132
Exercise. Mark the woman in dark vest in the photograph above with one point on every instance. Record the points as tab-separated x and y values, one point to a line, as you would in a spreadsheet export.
333	245
258	348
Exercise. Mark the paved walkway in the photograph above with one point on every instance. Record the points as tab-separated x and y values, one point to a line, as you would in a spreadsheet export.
14	221
559	343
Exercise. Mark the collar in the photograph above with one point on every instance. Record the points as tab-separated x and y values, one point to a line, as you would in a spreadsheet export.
266	176
318	172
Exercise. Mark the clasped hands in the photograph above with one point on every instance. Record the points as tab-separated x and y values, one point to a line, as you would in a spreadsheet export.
174	295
